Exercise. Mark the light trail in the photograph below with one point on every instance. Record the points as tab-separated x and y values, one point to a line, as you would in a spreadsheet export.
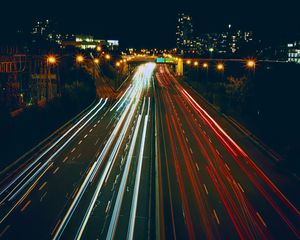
131	225
57	152
137	89
110	162
117	207
51	147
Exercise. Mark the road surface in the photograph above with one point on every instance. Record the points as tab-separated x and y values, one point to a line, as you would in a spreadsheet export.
212	188
153	162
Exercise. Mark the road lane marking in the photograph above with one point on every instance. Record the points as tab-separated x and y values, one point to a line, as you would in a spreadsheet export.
43	185
191	151
218	152
95	125
107	207
65	159
79	142
41	199
197	166
186	139
73	150
216	216
241	187
209	140
79	155
75	192
205	188
85	135
55	170
227	167
91	130
261	219
56	225
97	141
25	206
4	230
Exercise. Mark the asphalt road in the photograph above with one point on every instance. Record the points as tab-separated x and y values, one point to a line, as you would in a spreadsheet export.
95	172
213	186
154	161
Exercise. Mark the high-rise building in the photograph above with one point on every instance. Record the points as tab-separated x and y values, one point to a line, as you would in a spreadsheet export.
294	52
185	33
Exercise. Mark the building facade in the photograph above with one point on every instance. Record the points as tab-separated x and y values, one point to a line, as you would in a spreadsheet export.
185	34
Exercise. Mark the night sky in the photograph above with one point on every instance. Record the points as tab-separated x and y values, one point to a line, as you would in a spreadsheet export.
153	23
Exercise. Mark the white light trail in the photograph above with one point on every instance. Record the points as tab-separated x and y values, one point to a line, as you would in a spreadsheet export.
137	183
51	147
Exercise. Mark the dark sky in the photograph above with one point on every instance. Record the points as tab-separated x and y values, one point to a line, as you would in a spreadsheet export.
152	23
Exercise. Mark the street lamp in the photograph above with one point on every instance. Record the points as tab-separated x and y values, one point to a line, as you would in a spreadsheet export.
118	64
205	65
51	59
98	48
96	60
79	59
220	67
250	64
196	63
107	57
188	62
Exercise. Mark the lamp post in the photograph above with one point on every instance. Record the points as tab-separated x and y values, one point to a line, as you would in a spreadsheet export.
250	65
205	66
220	68
79	60
96	63
118	65
51	60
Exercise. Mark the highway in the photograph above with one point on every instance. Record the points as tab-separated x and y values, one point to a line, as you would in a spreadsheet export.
89	174
211	187
153	161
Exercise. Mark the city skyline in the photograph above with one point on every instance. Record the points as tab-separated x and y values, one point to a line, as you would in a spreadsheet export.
157	22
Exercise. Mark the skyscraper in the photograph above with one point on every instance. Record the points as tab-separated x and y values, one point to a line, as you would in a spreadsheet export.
184	33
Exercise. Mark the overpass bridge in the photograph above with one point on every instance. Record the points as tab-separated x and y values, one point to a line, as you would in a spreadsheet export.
179	62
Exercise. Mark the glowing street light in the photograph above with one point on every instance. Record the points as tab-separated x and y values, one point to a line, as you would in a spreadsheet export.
220	67
188	62
96	61
51	59
79	58
250	64
107	57
98	48
118	64
196	63
205	65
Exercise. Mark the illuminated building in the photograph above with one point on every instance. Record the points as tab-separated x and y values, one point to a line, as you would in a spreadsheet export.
185	33
294	52
89	42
